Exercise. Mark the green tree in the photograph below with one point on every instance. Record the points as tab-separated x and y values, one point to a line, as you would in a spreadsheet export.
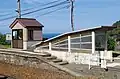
114	36
115	31
117	23
3	39
111	43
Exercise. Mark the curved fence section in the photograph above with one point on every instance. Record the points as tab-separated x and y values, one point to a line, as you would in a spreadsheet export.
78	46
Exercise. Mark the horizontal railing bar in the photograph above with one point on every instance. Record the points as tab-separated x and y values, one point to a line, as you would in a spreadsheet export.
60	42
45	46
81	49
81	37
59	48
100	34
75	38
82	43
86	42
86	36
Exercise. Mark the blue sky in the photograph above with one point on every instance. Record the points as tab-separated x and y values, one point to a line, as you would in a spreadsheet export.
88	13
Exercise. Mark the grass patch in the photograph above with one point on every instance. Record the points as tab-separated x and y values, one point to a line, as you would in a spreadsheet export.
5	46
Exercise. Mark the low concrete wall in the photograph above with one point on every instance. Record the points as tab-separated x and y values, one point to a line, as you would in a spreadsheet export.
78	58
20	60
30	43
105	54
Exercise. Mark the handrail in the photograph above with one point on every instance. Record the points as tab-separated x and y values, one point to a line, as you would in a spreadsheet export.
60	41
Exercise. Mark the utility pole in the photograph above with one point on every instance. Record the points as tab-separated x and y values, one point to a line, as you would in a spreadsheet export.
72	14
19	9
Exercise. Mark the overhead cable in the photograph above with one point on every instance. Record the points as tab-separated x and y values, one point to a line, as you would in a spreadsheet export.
61	3
45	4
64	2
53	11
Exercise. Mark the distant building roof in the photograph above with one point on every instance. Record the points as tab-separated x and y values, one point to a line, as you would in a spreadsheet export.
26	22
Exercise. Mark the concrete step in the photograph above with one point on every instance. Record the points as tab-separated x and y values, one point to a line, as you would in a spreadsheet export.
45	55
57	60
63	63
51	57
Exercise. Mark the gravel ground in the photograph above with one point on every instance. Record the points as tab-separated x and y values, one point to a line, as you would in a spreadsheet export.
23	72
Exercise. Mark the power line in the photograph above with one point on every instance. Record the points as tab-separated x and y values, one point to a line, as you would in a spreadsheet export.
6	10
47	12
2	15
8	18
53	11
45	4
64	2
61	3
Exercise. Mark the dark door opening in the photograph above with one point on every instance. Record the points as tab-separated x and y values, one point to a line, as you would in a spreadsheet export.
17	38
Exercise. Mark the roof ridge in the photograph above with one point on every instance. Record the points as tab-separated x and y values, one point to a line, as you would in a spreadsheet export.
27	18
27	22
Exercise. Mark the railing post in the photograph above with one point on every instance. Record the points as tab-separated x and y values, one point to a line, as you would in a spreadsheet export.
69	44
50	46
105	44
89	62
80	41
93	42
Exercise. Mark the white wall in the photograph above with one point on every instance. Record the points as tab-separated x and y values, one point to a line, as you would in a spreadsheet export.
78	58
30	43
18	26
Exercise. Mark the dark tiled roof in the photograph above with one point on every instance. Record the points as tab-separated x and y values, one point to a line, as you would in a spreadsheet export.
27	22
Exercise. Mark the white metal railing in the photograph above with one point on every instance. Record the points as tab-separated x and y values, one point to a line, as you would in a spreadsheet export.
44	46
60	42
75	48
66	44
86	36
59	48
103	60
82	43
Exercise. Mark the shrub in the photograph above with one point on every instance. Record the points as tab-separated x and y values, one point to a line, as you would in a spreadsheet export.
111	43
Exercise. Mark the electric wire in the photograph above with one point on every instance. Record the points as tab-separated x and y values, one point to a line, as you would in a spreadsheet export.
61	3
45	4
53	11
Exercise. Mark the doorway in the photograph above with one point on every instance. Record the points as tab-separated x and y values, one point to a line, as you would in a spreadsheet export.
17	38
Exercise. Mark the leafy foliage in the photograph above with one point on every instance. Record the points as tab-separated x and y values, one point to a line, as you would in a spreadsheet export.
111	43
113	36
117	23
3	39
